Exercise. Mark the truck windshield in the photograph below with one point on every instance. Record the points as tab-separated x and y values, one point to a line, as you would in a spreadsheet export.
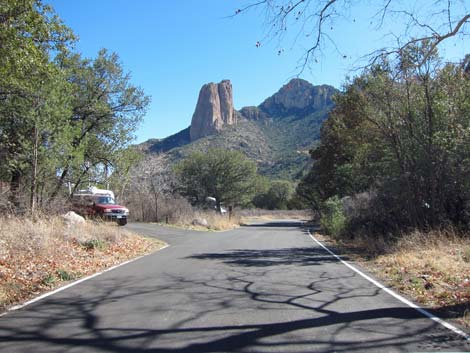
105	200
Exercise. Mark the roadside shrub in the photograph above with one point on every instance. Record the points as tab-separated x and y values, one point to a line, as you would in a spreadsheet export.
64	275
93	244
218	221
305	214
333	219
466	254
49	280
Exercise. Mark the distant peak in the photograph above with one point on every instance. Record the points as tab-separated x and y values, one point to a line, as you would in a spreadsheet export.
298	96
298	82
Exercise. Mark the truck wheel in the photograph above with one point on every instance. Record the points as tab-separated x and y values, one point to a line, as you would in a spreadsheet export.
122	221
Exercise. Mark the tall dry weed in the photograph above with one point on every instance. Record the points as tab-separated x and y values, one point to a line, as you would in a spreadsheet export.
207	219
217	221
275	214
432	239
431	267
36	255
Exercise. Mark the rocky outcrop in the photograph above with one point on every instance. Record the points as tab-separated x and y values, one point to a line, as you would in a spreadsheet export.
298	97
214	110
253	113
275	134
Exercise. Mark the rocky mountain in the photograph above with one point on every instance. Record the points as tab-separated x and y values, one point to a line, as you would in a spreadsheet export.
277	134
298	97
214	110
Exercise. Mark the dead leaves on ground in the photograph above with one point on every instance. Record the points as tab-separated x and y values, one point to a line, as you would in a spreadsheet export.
27	270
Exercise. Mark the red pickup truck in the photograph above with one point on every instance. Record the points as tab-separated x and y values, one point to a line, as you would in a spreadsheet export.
100	203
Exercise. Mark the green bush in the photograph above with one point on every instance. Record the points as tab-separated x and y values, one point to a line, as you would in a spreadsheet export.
333	220
276	196
49	280
93	244
64	275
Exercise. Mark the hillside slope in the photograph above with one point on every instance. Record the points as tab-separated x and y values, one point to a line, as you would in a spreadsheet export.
277	134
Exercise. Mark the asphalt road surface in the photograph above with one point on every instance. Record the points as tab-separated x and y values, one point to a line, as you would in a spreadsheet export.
262	288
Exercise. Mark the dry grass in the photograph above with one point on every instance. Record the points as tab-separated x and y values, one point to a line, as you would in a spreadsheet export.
37	256
221	222
260	214
432	268
215	221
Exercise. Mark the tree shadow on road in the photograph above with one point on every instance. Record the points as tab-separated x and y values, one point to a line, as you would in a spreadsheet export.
272	300
304	256
90	333
276	224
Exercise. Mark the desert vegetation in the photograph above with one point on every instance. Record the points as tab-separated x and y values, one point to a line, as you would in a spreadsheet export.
201	189
39	255
396	150
391	174
432	267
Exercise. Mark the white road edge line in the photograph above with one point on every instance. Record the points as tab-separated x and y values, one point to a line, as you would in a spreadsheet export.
60	289
393	294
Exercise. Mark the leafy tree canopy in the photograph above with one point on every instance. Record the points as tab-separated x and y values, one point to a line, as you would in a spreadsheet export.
400	132
228	176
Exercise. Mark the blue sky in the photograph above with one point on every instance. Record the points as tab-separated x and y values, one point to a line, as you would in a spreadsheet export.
171	48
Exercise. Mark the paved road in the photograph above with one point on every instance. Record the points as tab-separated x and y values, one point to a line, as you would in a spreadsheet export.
264	288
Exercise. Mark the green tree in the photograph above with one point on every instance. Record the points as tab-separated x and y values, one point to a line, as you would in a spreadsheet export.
106	110
260	199
49	131
29	33
276	195
63	119
400	131
228	176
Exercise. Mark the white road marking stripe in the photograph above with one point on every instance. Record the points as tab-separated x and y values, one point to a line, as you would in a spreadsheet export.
60	289
393	294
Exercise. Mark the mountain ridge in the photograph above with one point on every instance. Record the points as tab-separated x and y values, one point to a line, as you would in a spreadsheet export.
277	134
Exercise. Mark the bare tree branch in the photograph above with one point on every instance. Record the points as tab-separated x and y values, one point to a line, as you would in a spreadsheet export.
434	24
454	32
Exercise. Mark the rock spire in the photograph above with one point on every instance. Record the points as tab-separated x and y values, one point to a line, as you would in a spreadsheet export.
214	110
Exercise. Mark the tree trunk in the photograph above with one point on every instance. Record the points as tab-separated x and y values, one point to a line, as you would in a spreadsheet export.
15	182
156	208
59	184
142	206
34	180
79	181
432	189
